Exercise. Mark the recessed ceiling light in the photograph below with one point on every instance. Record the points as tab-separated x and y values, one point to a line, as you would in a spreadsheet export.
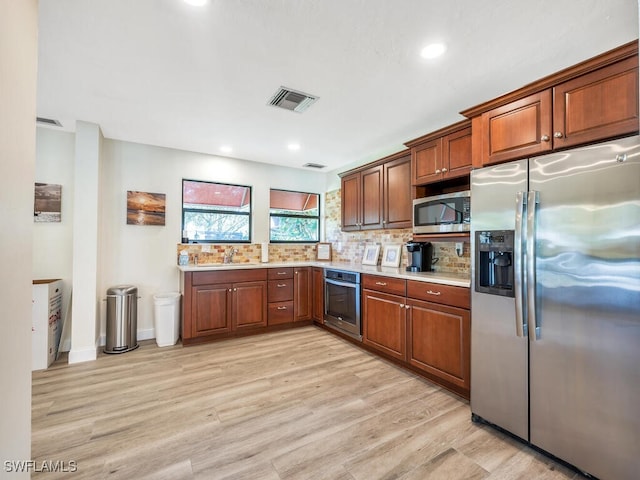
293	146
433	50
226	149
196	3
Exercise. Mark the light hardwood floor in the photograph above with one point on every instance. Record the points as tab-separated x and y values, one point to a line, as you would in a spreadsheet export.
296	404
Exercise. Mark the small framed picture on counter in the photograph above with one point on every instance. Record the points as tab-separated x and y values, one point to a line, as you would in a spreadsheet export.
371	252
391	255
323	252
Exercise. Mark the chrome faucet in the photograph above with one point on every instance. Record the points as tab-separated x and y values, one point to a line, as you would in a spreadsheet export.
228	255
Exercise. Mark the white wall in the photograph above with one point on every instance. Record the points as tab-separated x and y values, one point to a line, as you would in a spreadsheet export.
53	242
18	63
145	256
85	306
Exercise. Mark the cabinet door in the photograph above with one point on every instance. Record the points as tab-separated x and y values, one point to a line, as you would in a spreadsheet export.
250	305
318	294
439	341
211	309
384	323
456	154
397	193
426	162
517	130
598	105
372	198
302	294
350	202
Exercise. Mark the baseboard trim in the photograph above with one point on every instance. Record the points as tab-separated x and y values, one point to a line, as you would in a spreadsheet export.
83	355
146	334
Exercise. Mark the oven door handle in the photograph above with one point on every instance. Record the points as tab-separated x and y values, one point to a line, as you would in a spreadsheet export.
341	284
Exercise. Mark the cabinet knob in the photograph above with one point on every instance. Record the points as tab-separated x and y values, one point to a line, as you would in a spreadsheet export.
558	135
407	307
544	138
438	170
444	170
402	305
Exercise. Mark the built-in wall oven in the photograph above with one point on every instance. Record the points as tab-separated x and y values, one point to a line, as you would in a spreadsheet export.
342	302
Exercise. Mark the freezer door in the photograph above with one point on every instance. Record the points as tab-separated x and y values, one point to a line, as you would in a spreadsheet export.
498	356
585	364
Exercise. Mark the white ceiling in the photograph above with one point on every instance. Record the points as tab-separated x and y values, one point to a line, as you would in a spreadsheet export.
164	73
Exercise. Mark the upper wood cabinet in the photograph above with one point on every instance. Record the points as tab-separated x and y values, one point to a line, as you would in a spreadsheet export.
597	105
518	129
378	195
441	155
396	196
589	102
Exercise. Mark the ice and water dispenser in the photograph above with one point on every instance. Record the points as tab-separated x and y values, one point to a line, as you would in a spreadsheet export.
494	262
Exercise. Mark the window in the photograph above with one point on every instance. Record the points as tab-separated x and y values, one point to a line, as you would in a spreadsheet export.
294	216
216	212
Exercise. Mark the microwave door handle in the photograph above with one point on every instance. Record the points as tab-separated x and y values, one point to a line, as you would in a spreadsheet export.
534	330
521	203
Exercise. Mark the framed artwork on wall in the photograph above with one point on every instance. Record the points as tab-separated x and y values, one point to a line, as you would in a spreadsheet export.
371	253
144	208
391	255
323	252
47	205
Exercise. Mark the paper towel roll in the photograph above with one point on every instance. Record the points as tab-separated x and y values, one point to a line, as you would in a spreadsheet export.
265	252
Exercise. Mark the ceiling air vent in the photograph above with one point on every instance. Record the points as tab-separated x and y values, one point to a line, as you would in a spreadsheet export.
48	121
314	165
293	100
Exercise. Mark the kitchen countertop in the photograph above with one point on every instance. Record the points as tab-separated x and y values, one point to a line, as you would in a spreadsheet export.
443	278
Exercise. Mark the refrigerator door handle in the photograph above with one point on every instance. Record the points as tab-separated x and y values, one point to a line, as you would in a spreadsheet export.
521	202
532	206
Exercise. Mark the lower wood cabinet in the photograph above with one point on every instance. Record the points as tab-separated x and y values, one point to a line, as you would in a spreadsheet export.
439	341
280	296
317	294
301	294
423	325
384	326
211	310
223	302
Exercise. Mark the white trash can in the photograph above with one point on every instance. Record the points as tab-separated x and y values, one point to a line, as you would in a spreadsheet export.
167	318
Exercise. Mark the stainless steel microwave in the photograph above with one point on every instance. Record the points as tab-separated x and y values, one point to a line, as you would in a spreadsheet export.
446	213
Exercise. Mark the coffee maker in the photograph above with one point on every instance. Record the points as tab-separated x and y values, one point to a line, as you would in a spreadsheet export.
420	254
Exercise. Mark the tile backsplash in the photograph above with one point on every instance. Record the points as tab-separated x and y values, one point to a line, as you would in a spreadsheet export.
346	246
247	253
349	246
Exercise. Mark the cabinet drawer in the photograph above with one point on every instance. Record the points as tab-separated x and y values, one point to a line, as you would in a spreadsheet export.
228	276
275	273
281	312
392	285
280	290
445	294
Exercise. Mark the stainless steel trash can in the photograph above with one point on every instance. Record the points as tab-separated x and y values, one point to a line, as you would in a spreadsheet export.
122	319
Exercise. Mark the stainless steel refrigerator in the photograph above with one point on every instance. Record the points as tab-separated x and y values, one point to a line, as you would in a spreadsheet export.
555	330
